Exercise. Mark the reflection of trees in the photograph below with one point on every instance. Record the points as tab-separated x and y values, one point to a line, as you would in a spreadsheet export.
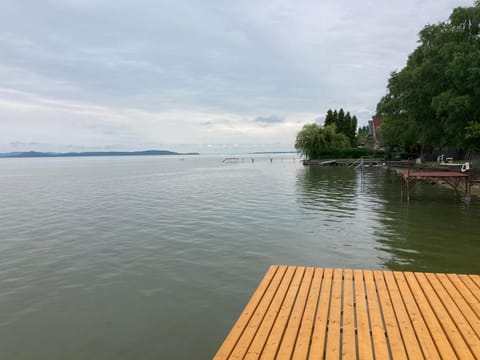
433	232
319	188
436	231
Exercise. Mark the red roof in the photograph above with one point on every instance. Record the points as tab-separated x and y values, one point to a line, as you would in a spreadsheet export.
377	122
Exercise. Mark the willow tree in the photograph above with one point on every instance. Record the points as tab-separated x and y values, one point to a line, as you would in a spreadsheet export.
435	99
313	139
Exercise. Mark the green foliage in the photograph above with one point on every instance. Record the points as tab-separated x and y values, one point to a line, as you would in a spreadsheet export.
435	99
362	135
344	122
350	153
473	135
313	139
330	118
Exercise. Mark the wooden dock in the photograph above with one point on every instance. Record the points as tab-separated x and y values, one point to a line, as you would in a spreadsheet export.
452	178
317	313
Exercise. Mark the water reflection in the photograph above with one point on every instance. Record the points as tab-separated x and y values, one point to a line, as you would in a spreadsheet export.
328	189
340	211
139	253
435	231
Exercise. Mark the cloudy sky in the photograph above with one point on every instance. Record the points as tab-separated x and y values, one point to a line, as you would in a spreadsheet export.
195	75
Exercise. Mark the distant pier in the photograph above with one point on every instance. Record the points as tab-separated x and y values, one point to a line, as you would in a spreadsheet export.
345	162
253	159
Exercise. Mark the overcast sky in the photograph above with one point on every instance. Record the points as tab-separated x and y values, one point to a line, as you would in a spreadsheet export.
206	75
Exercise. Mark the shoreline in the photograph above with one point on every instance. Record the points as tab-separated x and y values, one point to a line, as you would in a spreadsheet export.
400	168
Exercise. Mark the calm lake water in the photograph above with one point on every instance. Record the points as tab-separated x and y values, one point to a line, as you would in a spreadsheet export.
155	257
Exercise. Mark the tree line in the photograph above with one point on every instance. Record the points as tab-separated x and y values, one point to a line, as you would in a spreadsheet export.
344	123
338	132
434	101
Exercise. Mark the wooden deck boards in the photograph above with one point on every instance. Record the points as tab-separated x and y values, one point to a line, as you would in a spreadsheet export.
316	313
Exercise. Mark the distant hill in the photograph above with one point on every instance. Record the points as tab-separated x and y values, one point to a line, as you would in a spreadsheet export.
35	154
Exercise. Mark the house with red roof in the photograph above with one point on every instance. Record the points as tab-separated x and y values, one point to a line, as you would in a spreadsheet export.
374	139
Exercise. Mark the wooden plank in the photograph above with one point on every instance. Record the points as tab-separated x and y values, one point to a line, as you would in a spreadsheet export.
306	328
317	347
475	279
466	292
434	327
426	342
467	280
237	330
460	301
379	340
276	336
458	343
250	330
405	325
349	347
292	329
335	317
265	327
317	313
394	336
364	341
456	314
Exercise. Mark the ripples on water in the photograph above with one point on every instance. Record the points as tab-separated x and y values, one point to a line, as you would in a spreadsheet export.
150	257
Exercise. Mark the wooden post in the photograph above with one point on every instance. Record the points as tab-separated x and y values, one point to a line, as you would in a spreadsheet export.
467	187
408	190
402	179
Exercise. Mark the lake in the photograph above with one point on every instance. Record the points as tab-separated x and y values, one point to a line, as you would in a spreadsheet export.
155	257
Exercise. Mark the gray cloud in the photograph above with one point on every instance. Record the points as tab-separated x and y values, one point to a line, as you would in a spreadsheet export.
147	68
269	120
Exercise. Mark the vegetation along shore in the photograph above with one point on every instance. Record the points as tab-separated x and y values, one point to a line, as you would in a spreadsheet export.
431	110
